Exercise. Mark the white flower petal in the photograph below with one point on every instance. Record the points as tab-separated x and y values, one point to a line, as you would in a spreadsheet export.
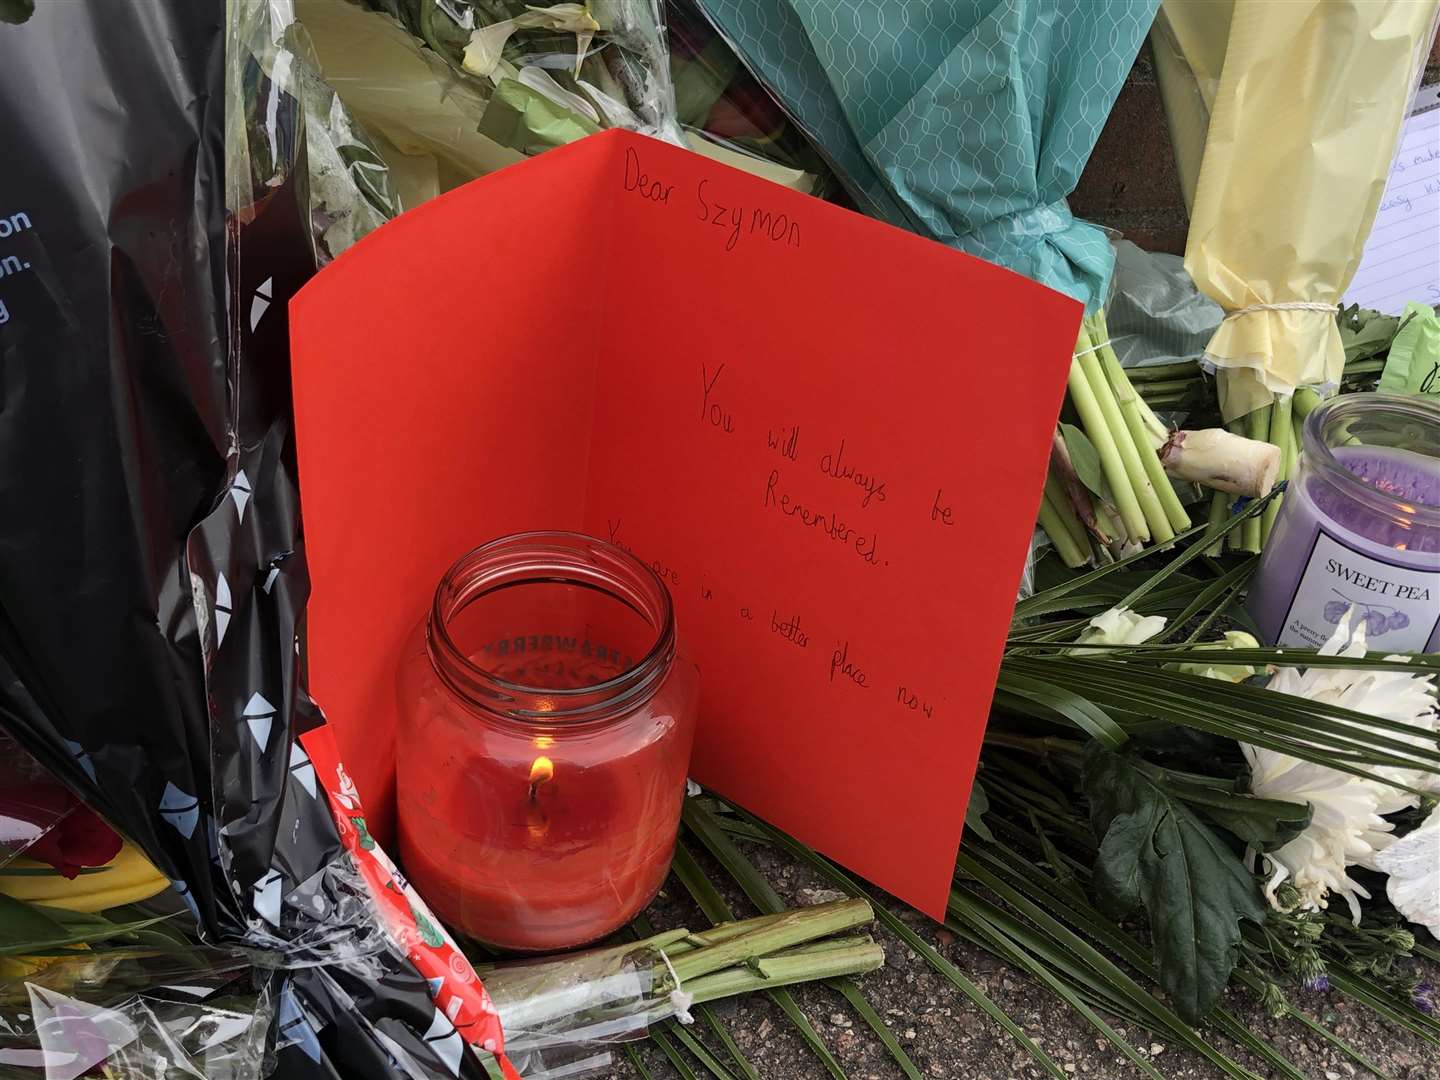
1413	863
1121	626
482	54
1347	826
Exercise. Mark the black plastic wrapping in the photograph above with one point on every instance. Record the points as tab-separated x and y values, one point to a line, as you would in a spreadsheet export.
152	576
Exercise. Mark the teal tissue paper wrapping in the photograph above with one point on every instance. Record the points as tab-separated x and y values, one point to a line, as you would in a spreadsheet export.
968	121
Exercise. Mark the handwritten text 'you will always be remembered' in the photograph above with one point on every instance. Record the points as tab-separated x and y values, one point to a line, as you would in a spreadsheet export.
838	514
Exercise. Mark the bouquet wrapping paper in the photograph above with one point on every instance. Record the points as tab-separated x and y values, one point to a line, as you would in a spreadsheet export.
968	121
1302	129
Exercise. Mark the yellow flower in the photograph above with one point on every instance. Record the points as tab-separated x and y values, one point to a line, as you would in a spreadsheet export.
126	879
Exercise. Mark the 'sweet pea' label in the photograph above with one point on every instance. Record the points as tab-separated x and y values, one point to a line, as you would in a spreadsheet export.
1398	605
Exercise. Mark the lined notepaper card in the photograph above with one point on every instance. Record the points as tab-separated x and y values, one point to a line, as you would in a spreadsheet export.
1402	256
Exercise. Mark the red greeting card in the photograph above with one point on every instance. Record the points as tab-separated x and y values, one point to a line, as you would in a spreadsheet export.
828	436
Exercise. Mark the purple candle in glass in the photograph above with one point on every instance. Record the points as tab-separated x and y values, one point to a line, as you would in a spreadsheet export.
1359	528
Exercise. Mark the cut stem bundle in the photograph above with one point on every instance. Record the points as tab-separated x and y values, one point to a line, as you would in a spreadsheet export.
1096	420
1129	500
625	987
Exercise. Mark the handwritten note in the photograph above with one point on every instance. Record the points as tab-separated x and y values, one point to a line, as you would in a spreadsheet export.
764	397
1401	261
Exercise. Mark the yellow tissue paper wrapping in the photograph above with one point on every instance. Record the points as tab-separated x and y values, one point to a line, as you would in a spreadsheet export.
1303	123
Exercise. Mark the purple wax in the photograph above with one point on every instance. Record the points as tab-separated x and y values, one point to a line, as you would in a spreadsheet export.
1407	478
1374	552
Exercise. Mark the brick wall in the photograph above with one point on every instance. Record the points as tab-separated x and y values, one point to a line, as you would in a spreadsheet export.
1130	183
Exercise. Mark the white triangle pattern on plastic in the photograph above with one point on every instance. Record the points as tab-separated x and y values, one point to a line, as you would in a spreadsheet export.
260	716
222	608
240	492
446	1042
260	302
180	809
267	897
302	770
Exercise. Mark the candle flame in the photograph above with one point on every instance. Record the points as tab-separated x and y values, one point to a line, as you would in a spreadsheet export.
537	822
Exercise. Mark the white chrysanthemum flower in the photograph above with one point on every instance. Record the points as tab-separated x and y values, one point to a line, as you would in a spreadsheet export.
1344	828
1347	826
1392	695
1413	863
1120	626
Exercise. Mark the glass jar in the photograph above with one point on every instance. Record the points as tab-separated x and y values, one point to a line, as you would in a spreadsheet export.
1359	528
546	727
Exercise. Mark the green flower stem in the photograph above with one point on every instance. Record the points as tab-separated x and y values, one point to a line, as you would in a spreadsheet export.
1258	428
531	996
1106	520
1219	514
1364	367
795	967
715	935
1165	401
1103	436
1060	501
1158	389
788	929
1157	524
1157	427
1282	434
1175	515
1306	399
1182	370
1062	468
1055	528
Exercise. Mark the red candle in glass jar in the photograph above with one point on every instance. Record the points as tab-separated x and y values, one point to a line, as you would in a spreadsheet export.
545	741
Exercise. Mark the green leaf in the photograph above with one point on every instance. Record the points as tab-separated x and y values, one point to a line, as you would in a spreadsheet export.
1262	823
637	1061
726	1040
802	1024
1310	729
672	1052
16	12
1365	333
34	929
1081	712
1085	458
696	1047
22	924
867	1013
974	814
1157	854
1034	893
1202	539
705	894
1008	937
